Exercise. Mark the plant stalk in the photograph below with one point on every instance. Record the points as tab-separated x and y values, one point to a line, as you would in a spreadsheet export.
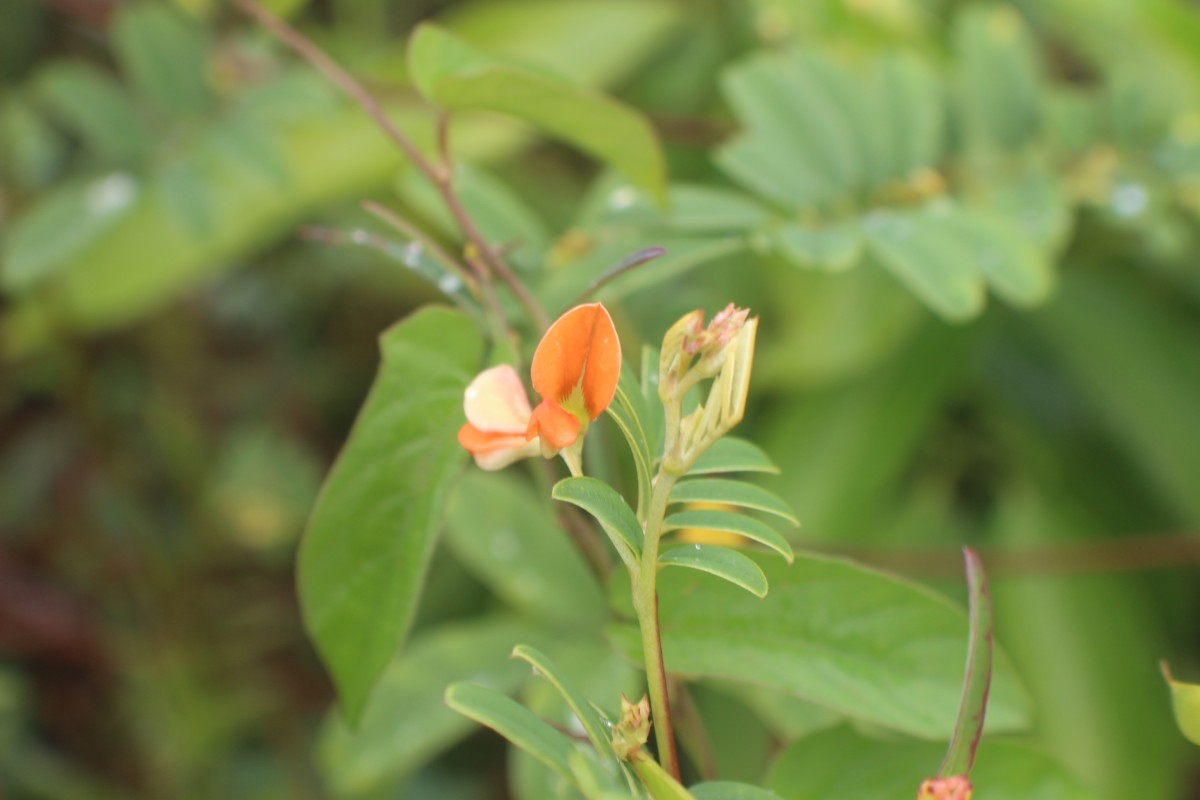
645	603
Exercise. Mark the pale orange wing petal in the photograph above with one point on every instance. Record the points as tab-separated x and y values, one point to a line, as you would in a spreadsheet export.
557	426
495	401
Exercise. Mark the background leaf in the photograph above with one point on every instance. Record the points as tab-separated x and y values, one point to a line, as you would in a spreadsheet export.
165	54
510	541
96	108
408	722
813	636
453	75
1185	699
842	763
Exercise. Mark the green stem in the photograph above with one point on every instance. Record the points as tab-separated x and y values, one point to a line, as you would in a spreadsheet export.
645	603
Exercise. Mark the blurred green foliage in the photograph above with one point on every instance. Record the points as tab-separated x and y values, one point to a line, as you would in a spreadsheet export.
969	228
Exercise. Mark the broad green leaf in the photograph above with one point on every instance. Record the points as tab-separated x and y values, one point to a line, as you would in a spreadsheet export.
738	744
609	508
834	247
407	723
1185	700
732	454
865	644
968	728
727	790
453	75
734	493
932	264
95	106
731	522
788	717
726	564
369	540
508	539
843	763
514	722
593	725
165	54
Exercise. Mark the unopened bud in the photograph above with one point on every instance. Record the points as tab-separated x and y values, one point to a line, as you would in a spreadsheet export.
955	788
722	351
632	729
674	359
720	332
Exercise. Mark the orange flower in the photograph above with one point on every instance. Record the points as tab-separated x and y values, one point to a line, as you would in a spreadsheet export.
575	370
497	418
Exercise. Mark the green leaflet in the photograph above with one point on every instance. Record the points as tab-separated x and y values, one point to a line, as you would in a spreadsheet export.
731	454
514	722
731	522
609	508
728	565
592	723
734	493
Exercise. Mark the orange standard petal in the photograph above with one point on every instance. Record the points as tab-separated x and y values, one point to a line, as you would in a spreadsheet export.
579	351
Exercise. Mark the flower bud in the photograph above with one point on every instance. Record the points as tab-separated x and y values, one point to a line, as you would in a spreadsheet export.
955	788
723	352
632	729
